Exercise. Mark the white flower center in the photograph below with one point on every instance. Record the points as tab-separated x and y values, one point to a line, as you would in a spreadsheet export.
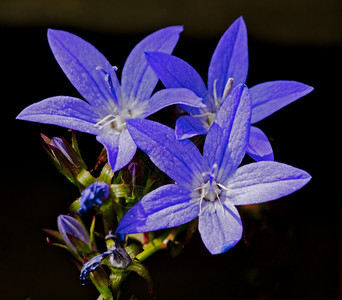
111	122
115	120
210	191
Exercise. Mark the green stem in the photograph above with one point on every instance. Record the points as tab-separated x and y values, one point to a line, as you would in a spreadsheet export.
159	243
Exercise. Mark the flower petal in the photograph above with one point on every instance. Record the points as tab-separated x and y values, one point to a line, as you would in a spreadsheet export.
120	148
167	97
180	160
138	79
230	59
264	181
168	206
188	126
63	111
176	73
227	139
268	97
259	147
79	61
220	227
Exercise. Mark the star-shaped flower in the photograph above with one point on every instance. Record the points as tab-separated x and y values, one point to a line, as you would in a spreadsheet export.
210	185
228	68
109	103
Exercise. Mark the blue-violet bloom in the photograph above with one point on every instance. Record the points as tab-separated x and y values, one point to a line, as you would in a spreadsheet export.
228	68
93	195
208	186
109	103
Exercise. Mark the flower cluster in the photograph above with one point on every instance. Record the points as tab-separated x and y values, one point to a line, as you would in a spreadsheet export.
207	185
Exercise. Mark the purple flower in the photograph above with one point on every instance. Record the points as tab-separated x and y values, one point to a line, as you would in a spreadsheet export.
228	68
93	195
210	185
109	103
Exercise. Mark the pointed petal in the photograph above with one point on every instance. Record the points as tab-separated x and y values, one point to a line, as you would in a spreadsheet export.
264	181
180	160
138	79
188	126
79	60
220	227
268	97
120	148
63	111
259	147
230	59
227	139
176	73
168	206
169	97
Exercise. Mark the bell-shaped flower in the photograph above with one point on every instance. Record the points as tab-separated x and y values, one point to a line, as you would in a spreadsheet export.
109	103
208	186
228	68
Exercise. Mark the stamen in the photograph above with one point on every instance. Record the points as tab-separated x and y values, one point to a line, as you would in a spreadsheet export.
108	79
202	115
215	93
201	201
228	88
106	120
222	187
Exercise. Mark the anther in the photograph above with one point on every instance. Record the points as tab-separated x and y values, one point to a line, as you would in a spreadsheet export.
222	187
228	88
215	93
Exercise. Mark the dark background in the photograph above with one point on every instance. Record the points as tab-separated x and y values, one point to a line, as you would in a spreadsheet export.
290	248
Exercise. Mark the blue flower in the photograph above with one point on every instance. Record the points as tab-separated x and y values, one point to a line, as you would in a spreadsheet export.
93	195
109	103
228	68
210	185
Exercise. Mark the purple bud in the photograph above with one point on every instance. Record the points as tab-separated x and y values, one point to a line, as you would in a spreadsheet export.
60	145
133	169
93	195
71	229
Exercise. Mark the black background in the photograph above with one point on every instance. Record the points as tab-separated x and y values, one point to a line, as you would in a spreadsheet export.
290	252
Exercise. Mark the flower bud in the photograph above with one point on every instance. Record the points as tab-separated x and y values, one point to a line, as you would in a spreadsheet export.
67	160
73	233
93	195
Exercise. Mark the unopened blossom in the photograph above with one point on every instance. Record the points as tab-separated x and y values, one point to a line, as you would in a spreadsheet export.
93	195
228	68
208	186
70	229
109	103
